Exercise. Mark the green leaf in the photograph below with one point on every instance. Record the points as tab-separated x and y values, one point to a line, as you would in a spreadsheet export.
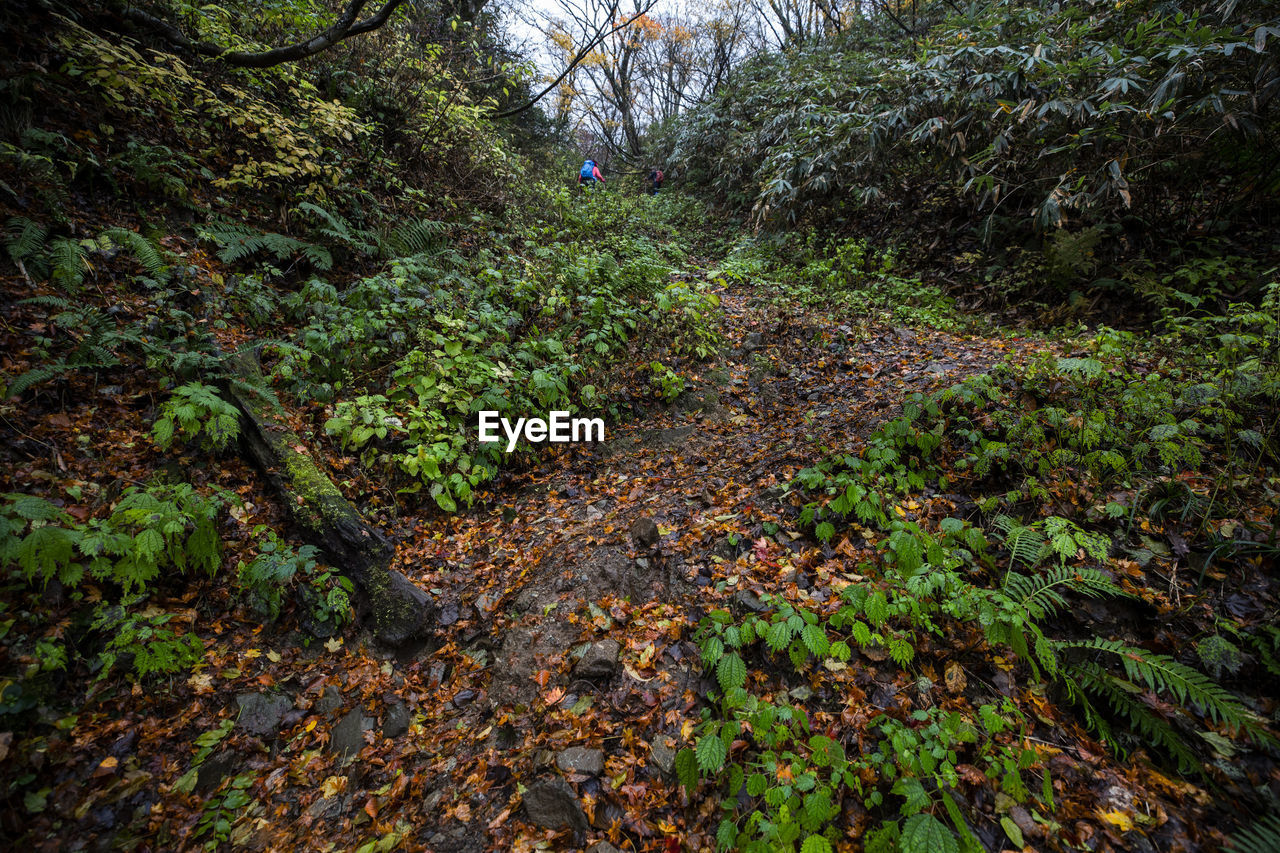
779	636
1011	829
711	753
687	769
924	833
731	672
727	835
815	844
815	640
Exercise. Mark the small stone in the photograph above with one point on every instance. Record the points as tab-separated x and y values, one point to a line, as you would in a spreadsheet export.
214	770
600	661
580	759
261	713
347	737
748	601
753	342
397	720
663	755
552	804
330	700
644	532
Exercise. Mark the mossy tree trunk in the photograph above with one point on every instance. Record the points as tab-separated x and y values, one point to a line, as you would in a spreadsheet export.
401	611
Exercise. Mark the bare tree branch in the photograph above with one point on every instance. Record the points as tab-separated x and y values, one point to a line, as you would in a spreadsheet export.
346	26
578	57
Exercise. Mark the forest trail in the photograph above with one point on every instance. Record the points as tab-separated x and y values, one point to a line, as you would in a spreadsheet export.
573	599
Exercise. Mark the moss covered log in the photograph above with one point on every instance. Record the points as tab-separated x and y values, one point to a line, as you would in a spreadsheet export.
326	519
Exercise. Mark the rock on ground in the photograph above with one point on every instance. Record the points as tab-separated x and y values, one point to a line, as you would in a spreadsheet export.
261	713
552	804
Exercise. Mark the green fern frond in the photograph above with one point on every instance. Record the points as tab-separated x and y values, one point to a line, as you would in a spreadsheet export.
1263	836
1040	595
338	230
24	238
237	242
56	303
70	263
1120	696
146	252
36	376
1162	673
416	238
1024	543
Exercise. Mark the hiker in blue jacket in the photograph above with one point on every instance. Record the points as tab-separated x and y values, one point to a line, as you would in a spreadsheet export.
589	174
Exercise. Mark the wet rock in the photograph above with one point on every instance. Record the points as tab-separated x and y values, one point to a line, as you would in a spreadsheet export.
396	722
124	744
662	755
644	532
330	700
214	770
580	759
261	713
448	614
348	735
600	661
552	804
729	547
326	807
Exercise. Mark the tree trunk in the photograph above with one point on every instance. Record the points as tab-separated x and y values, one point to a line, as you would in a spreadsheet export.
401	611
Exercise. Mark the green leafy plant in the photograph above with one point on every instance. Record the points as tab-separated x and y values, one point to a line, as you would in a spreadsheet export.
195	413
277	566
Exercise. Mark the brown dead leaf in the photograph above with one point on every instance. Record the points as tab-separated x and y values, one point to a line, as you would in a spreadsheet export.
955	678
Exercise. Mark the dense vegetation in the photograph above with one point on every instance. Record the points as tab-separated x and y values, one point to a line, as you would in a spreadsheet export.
950	372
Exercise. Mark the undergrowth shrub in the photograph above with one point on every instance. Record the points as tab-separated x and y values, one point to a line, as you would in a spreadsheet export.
324	595
150	533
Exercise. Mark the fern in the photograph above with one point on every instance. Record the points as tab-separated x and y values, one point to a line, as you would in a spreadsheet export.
1163	674
1040	595
69	262
1263	836
146	252
339	230
238	242
1024	543
24	238
1088	677
416	238
36	376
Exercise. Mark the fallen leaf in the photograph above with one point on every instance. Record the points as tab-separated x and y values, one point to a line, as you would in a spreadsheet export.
1119	820
955	678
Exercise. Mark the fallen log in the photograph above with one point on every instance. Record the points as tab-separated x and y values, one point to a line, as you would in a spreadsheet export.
401	611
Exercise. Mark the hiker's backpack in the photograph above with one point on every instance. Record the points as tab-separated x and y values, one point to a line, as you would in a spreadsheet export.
587	172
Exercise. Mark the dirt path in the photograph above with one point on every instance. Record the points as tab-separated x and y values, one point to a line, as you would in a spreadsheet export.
573	601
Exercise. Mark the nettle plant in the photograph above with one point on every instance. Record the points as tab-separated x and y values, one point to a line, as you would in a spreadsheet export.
929	578
795	779
517	336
